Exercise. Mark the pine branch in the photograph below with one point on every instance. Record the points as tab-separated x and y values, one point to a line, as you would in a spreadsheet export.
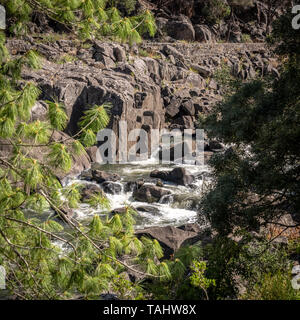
51	234
72	224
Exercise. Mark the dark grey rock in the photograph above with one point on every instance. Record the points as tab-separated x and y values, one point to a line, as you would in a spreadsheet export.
111	187
178	175
90	190
149	193
102	176
170	238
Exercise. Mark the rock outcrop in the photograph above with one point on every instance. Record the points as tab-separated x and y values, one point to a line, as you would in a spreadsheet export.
170	238
90	190
149	193
178	175
103	176
153	86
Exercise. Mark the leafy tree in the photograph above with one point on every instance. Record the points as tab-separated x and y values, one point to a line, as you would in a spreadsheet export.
187	279
235	4
215	10
257	178
198	279
271	10
234	264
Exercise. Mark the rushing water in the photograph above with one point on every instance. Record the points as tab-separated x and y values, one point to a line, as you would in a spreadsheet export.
177	209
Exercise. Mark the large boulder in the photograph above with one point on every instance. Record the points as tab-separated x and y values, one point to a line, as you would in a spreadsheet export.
104	53
119	53
203	71
170	238
149	193
39	111
90	190
92	152
173	108
79	162
203	33
41	154
103	176
181	29
187	108
86	175
178	175
149	209
111	187
205	234
171	51
185	122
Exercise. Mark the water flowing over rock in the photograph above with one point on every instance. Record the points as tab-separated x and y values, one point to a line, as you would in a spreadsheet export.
149	209
133	185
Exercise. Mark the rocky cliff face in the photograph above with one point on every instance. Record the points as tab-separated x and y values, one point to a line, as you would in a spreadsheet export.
153	86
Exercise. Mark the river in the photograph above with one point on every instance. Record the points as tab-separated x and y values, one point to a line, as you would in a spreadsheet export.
179	208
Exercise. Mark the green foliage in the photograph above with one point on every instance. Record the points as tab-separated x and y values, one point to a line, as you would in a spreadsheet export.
282	30
60	157
223	261
72	194
233	265
66	58
88	18
246	38
56	257
257	177
93	121
215	10
273	287
225	79
198	279
177	283
57	115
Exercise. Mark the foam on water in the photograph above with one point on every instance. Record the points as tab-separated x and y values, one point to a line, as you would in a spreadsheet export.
169	212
